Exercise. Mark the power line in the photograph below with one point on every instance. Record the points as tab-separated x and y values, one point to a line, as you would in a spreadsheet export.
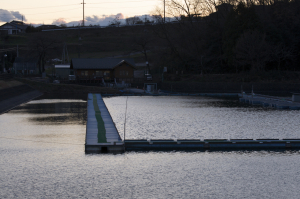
45	12
53	12
142	1
123	2
75	17
46	7
119	7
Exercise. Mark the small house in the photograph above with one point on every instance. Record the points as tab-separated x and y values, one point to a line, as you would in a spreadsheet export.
13	28
62	71
107	68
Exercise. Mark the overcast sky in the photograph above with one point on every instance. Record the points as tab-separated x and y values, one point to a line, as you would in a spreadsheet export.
97	12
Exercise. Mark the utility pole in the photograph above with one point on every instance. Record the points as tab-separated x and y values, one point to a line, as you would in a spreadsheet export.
65	54
83	13
164	11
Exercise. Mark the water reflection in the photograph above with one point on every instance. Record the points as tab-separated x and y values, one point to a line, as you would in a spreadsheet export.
60	120
66	95
42	160
215	102
54	112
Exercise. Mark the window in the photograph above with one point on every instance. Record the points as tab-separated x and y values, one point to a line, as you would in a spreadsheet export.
84	73
99	73
107	73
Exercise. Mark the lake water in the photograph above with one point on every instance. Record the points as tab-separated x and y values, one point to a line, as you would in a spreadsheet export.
199	118
42	151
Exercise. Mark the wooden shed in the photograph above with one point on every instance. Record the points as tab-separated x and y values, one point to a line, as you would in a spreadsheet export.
107	68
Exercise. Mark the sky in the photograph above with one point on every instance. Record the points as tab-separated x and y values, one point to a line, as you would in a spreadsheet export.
70	12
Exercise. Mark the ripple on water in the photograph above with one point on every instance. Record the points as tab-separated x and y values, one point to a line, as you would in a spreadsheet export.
46	159
199	118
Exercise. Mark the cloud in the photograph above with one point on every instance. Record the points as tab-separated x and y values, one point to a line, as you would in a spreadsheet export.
103	20
59	21
7	16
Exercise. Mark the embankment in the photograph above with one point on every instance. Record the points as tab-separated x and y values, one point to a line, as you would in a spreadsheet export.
14	92
67	89
13	96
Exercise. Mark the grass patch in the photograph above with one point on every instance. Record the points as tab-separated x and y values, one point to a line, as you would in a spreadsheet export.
100	122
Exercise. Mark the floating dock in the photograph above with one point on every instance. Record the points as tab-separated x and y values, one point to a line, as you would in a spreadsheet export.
101	132
102	135
270	101
212	145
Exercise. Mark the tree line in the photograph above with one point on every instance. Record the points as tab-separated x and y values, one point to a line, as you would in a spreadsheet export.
229	36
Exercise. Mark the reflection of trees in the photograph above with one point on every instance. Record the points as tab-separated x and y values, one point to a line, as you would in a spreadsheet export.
58	113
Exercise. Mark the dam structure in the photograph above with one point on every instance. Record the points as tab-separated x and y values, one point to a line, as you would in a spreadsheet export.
101	132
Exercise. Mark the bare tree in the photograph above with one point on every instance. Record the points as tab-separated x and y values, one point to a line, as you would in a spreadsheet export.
141	43
40	45
116	22
280	53
252	49
133	20
186	36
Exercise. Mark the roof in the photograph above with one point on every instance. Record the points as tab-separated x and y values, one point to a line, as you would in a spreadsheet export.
62	66
47	26
101	63
16	24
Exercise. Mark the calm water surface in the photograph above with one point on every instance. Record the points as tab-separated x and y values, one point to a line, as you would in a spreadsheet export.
200	118
42	151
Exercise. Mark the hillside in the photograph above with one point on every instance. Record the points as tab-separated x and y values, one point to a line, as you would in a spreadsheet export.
249	41
88	43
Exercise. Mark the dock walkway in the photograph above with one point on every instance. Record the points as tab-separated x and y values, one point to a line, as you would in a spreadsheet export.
101	132
102	135
270	101
212	145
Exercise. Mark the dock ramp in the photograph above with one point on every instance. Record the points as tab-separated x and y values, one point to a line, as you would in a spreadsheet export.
101	132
